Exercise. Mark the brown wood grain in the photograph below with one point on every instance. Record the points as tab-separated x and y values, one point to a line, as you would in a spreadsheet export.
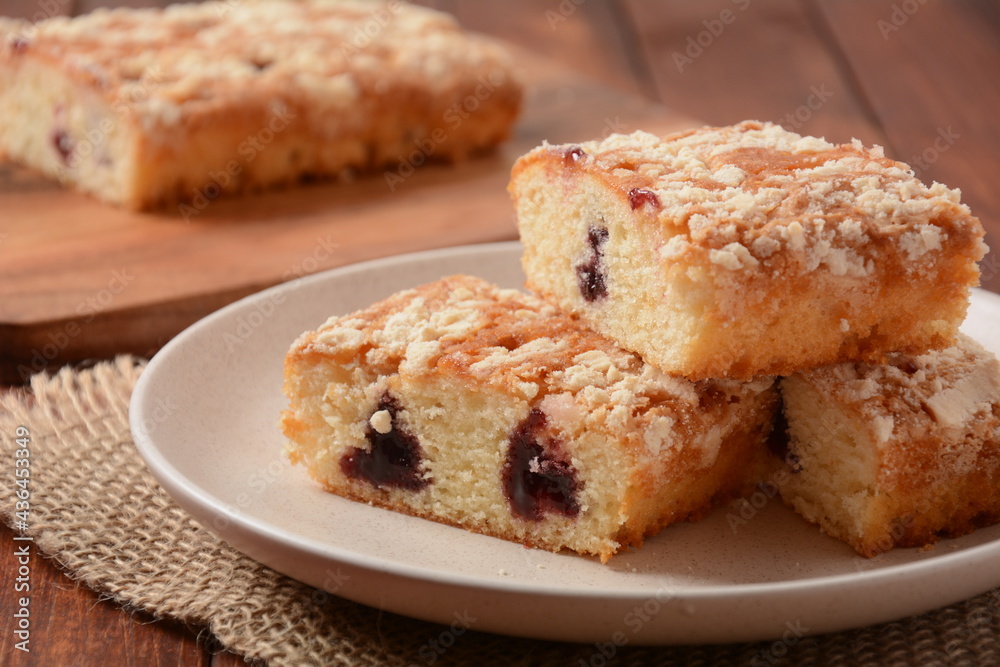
724	61
70	625
86	6
589	36
36	10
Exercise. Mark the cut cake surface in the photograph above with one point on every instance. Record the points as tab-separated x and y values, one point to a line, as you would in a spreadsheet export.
896	454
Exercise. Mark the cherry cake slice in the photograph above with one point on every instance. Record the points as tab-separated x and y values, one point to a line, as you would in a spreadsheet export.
493	411
746	250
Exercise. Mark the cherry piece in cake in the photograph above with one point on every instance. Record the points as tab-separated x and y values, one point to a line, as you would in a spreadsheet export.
394	458
590	273
573	155
641	197
535	481
63	145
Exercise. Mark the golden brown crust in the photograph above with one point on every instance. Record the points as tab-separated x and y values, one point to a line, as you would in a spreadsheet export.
929	427
792	251
735	473
466	328
949	388
332	85
791	202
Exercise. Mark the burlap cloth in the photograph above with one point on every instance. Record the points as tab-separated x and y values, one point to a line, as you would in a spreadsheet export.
97	511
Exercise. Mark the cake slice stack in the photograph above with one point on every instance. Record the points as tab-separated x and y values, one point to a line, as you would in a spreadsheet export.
749	250
675	280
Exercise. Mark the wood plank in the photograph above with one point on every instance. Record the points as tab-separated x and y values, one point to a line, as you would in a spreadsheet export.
36	10
71	625
585	36
938	112
86	6
227	659
80	280
724	61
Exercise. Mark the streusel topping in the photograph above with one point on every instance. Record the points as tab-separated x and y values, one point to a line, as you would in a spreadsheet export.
154	60
465	327
949	388
755	194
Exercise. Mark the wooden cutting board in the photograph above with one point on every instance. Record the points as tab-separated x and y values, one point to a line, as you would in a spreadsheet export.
81	280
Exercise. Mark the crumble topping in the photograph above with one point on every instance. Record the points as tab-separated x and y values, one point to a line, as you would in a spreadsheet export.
463	326
381	421
154	61
745	192
952	388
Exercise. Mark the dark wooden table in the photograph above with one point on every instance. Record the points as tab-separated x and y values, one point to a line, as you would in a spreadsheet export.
920	78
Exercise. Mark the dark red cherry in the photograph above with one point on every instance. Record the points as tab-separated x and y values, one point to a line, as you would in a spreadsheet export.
63	144
536	481
394	459
641	196
573	155
590	273
778	440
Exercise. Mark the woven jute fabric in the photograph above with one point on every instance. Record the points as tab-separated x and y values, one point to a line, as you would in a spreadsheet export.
97	511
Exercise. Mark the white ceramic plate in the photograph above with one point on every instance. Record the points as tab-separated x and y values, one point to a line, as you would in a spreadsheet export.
205	412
